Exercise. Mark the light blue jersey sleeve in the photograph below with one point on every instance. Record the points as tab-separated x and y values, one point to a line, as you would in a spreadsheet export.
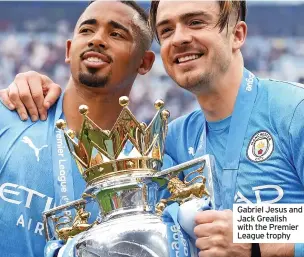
10	125
7	119
296	137
287	117
24	180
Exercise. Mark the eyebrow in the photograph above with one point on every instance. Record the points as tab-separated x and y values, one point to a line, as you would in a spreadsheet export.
88	22
117	25
114	24
185	16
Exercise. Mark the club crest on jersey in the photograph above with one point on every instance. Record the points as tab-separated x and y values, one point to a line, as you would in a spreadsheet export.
260	146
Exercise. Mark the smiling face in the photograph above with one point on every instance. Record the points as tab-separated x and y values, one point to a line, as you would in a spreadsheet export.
103	51
193	49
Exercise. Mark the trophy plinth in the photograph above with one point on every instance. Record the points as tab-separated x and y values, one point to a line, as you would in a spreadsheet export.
122	170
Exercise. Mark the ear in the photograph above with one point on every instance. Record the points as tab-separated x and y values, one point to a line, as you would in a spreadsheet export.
240	34
146	62
67	50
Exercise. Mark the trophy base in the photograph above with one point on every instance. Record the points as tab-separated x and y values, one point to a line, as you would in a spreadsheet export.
136	235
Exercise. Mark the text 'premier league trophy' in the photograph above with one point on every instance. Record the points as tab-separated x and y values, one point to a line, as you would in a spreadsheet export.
122	170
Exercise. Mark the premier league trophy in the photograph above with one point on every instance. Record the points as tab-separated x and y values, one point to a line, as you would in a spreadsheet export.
122	170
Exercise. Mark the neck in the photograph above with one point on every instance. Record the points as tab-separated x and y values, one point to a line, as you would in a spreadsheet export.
218	102
103	105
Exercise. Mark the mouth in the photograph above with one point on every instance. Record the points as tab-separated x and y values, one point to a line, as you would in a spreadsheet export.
95	60
187	58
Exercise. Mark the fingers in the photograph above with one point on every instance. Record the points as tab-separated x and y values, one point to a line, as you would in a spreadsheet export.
214	232
212	246
207	216
4	98
35	83
31	93
214	241
205	230
203	243
211	253
27	94
52	92
14	97
22	83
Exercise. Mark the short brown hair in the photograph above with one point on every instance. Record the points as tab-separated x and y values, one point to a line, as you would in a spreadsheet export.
227	7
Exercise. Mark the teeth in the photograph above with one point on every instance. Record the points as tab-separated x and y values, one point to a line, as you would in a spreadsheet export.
94	59
187	58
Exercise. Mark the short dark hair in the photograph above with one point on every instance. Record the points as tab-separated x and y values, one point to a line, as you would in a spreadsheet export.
145	35
227	7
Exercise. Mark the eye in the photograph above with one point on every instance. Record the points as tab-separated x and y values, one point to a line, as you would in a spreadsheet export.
84	30
195	22
116	34
165	32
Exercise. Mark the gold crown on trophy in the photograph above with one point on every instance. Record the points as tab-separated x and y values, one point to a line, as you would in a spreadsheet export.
129	148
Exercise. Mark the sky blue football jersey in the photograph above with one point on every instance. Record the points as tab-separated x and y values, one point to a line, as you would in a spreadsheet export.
271	160
27	185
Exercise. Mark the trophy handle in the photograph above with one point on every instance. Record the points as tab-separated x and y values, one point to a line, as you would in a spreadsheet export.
200	171
175	170
77	225
183	191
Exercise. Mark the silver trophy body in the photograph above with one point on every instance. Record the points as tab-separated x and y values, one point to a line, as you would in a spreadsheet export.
136	234
129	224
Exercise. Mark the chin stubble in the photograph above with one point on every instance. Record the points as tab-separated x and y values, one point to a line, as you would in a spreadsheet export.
92	80
204	81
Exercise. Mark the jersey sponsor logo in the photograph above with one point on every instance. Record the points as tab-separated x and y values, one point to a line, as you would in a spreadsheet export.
18	194
260	146
30	143
28	198
276	191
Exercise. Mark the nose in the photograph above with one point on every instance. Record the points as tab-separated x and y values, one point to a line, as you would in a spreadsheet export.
181	36
97	41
